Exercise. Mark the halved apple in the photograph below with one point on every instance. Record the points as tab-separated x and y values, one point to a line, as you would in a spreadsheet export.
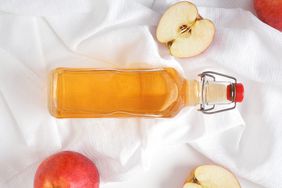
212	176
184	31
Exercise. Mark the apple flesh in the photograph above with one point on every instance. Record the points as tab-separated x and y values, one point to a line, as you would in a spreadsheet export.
192	185
212	176
184	31
270	12
67	169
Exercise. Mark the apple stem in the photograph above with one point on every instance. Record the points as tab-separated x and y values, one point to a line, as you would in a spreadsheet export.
199	17
169	43
195	180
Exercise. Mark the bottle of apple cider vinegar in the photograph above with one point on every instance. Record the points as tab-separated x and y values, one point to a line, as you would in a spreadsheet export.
162	92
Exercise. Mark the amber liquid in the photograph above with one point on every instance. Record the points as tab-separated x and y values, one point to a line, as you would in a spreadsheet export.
86	93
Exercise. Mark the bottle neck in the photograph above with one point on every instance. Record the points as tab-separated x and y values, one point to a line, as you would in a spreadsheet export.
193	92
209	93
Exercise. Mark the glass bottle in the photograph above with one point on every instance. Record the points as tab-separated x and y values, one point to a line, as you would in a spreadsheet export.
161	92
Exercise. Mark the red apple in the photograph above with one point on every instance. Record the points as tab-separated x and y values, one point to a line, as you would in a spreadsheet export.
67	169
270	12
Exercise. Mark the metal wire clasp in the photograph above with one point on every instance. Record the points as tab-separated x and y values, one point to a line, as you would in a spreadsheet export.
211	108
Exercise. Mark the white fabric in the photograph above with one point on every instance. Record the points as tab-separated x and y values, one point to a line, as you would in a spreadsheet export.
37	36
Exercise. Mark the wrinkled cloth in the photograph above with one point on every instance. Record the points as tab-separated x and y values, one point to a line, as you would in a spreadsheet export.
38	36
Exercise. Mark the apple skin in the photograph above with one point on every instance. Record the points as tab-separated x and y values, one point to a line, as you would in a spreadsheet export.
270	12
67	169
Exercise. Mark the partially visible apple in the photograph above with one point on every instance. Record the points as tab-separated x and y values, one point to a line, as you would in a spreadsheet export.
184	31
67	169
192	185
212	176
270	12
